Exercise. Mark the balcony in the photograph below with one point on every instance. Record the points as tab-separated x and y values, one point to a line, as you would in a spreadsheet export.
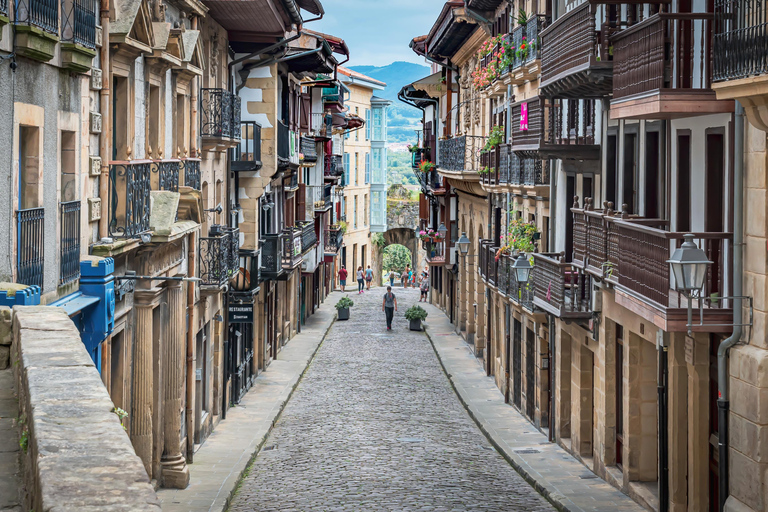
574	59
37	28
291	182
247	154
78	34
334	238
321	127
308	149
570	131
69	264
488	264
129	187
507	285
30	244
334	167
322	197
431	182
560	288
219	119
272	255
461	154
192	177
308	236
233	258
165	175
247	278
292	248
662	68
285	143
214	254
632	253
435	252
333	99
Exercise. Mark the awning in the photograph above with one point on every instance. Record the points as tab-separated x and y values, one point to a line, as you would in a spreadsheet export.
433	85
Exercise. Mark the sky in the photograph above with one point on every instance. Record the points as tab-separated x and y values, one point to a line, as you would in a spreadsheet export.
378	32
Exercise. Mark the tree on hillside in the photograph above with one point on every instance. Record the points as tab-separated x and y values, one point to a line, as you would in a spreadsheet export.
396	257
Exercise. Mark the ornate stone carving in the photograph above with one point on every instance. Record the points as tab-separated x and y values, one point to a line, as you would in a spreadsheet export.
94	165
96	79
95	122
94	209
214	54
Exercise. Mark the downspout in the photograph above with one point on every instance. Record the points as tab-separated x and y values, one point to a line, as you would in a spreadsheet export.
723	402
191	323
105	149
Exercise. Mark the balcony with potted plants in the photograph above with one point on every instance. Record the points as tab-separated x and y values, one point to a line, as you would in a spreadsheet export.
434	244
632	255
334	238
662	68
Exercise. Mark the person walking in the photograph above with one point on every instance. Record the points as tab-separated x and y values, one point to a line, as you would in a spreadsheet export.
410	277
368	277
403	277
360	280
389	306
343	278
392	278
424	287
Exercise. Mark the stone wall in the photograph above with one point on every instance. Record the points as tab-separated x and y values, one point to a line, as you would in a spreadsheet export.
76	455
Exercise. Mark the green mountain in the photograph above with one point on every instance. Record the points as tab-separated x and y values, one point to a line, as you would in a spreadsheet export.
403	119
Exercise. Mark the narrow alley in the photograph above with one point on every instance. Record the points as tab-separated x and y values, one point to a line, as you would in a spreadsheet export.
375	425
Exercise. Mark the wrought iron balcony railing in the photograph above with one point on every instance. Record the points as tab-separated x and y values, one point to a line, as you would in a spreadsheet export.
165	175
43	14
69	266
192	177
214	259
233	258
30	244
4	7
308	236
334	237
129	186
220	114
507	284
334	166
247	275
435	252
528	34
78	22
461	154
247	154
741	32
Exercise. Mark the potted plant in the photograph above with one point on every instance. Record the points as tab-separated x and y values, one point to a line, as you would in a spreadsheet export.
342	307
415	315
426	166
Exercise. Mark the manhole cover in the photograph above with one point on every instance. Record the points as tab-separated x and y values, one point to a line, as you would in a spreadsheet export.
527	451
270	447
410	439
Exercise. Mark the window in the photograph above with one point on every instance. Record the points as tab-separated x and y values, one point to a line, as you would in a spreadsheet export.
354	218
378	124
346	168
155	131
357	167
69	209
30	186
367	124
365	211
367	168
68	166
378	174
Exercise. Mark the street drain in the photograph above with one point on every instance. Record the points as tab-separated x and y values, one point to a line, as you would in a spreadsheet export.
410	439
270	447
527	451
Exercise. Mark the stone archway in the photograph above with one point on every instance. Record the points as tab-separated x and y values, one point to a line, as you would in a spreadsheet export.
402	221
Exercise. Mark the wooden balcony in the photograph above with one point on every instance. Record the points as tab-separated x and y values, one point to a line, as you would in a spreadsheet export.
435	252
631	254
560	288
574	63
511	169
568	131
662	68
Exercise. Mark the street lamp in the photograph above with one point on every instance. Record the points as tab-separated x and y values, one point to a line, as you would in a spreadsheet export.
442	230
463	244
689	266
522	268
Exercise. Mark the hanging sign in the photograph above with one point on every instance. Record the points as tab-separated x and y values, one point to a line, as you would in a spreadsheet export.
240	313
523	117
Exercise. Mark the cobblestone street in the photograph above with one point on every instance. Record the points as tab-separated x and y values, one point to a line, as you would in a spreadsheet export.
374	425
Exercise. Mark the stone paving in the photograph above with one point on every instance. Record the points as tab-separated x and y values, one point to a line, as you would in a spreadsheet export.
9	444
374	425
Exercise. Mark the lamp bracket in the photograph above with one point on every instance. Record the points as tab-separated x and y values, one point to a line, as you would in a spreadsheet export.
690	325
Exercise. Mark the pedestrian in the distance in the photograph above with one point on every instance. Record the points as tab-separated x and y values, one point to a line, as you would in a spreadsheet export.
424	287
368	277
403	277
343	278
410	277
360	280
392	278
389	306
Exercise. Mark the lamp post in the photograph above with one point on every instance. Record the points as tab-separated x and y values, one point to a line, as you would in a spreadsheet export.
689	266
522	268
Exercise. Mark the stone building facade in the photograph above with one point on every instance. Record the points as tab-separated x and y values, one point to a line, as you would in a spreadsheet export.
601	174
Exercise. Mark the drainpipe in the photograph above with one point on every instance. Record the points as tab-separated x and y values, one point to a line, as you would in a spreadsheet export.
105	149
191	323
661	388
552	382
723	403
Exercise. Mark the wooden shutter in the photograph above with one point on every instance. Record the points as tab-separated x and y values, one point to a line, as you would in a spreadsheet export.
301	202
306	107
423	207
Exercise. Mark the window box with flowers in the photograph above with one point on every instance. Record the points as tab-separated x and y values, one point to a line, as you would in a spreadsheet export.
426	166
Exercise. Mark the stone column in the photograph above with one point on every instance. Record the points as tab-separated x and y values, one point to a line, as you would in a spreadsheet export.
141	373
677	394
175	471
697	358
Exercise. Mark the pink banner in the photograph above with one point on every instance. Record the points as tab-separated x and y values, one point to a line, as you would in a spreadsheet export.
523	117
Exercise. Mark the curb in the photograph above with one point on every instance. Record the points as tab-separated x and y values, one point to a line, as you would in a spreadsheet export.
551	497
281	406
